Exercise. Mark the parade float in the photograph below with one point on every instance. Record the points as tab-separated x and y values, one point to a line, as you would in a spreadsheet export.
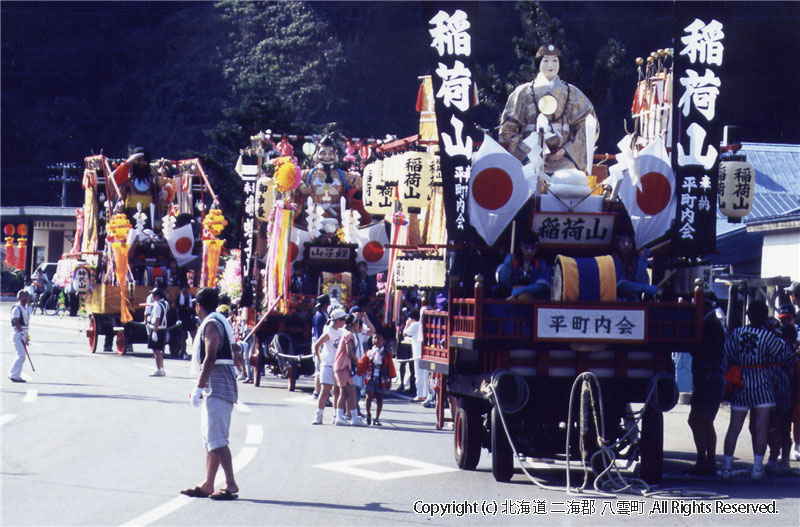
556	374
304	232
143	224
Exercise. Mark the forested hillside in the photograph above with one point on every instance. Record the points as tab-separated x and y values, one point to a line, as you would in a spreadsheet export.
184	78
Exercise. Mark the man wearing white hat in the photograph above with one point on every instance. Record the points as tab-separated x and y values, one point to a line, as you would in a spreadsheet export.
325	350
19	334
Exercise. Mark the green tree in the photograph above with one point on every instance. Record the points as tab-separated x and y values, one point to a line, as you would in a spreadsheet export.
279	60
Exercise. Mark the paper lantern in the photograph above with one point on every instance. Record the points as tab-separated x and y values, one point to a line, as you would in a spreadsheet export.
309	149
9	229
435	165
414	183
368	185
381	195
737	182
265	197
392	167
11	256
22	229
81	278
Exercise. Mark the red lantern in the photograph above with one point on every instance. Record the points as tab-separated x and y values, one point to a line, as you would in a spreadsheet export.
9	229
22	229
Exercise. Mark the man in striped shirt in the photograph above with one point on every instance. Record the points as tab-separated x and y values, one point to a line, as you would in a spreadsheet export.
755	350
218	355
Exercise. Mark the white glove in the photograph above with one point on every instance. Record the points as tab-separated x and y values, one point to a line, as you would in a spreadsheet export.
197	394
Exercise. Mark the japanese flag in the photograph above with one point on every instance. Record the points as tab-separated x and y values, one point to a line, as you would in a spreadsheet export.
296	244
650	200
372	247
497	189
181	243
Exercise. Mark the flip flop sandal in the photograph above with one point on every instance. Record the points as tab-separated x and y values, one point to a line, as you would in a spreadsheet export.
196	492
223	495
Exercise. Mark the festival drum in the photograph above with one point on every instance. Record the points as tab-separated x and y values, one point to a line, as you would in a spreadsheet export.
584	279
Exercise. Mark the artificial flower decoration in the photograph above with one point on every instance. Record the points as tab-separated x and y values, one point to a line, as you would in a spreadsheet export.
118	228
287	174
214	223
398	218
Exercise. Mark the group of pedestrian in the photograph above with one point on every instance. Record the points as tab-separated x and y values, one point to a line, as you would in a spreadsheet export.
755	368
340	341
355	358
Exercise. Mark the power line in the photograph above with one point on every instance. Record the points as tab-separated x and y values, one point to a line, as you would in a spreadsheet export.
64	178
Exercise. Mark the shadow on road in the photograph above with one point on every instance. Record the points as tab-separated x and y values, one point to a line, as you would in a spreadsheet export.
371	507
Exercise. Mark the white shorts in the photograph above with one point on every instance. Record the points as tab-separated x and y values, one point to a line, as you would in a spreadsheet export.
327	376
215	422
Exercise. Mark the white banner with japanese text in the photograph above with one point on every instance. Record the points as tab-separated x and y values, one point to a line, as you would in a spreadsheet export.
578	324
573	228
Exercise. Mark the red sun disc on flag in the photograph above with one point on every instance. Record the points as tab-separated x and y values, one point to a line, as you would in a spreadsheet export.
294	250
492	188
373	252
655	193
183	245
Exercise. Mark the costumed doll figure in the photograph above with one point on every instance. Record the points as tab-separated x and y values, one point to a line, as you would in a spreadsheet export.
140	185
285	149
327	184
565	107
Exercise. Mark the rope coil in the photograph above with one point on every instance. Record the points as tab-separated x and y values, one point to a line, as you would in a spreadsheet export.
610	482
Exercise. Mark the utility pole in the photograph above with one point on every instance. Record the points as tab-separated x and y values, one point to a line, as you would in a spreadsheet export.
64	178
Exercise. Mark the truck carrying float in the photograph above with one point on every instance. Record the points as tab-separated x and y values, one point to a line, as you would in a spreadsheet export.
142	224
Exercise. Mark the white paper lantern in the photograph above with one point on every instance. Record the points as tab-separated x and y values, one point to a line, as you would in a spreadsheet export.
737	183
381	196
414	182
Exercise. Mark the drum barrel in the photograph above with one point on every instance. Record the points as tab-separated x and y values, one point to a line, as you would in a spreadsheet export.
584	279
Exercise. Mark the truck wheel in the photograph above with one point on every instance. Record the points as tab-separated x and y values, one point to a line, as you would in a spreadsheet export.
91	333
502	456
651	445
467	436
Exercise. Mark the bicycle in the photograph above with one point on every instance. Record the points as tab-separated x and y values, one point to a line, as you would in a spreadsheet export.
54	303
38	301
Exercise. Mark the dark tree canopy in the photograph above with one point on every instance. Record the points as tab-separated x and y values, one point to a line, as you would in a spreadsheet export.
191	78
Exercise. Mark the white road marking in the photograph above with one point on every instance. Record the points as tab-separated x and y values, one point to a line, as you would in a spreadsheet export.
243	408
418	468
161	511
255	435
30	396
6	418
245	456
